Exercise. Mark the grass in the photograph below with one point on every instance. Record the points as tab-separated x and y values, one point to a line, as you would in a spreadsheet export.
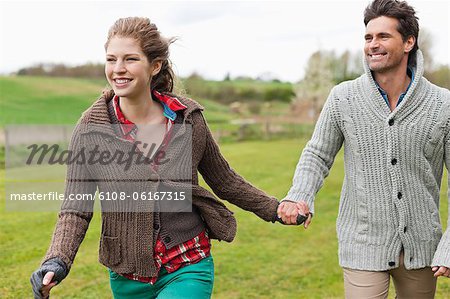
265	261
48	100
44	100
36	100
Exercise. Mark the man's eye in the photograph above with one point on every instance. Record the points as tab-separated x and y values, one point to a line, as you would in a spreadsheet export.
133	59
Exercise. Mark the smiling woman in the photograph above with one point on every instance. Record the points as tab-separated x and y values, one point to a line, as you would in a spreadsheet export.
145	55
153	249
127	68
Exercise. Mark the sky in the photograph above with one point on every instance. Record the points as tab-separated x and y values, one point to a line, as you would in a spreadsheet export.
242	38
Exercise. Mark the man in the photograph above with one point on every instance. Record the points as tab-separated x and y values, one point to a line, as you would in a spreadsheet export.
395	127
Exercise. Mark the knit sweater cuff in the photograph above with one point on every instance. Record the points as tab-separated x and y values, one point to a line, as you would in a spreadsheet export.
442	254
299	196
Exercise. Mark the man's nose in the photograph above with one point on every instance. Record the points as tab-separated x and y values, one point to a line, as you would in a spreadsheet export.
374	43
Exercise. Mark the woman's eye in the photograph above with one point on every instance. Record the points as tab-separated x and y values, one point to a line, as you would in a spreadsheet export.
109	59
133	59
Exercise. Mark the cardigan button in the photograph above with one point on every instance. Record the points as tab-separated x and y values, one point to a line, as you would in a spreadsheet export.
394	161
391	264
399	195
167	239
391	122
155	226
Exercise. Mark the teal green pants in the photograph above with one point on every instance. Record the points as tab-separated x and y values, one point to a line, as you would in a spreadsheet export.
193	281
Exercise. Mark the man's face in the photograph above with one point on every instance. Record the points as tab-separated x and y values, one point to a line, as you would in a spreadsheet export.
384	48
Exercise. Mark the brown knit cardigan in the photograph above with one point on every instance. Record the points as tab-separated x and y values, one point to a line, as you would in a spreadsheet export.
127	239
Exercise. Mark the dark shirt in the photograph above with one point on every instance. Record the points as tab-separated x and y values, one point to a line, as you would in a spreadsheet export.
410	73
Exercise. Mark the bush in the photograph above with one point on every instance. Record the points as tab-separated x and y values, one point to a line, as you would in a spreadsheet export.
230	91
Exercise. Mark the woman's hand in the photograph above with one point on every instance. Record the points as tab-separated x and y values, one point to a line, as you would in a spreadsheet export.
47	276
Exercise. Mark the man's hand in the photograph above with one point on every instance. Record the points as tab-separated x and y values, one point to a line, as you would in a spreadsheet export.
288	211
47	276
441	271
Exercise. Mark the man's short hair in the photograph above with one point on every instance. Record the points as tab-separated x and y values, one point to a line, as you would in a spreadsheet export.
406	16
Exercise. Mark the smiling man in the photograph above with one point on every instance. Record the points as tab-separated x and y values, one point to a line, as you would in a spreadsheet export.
395	128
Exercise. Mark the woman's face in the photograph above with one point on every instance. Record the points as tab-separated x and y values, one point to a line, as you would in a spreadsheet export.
127	69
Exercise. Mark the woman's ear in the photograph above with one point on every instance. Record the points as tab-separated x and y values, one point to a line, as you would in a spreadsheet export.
156	67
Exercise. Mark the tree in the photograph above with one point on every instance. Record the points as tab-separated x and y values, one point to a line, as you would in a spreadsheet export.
441	76
324	70
425	45
316	84
346	67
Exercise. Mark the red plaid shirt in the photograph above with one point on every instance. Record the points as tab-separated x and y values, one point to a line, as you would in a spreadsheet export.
191	251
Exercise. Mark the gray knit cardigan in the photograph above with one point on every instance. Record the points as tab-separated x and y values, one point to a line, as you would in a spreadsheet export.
393	170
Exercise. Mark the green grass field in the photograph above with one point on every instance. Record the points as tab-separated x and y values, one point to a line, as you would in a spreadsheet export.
44	100
265	261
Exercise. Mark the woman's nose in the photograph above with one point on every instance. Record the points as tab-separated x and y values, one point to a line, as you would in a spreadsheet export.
119	67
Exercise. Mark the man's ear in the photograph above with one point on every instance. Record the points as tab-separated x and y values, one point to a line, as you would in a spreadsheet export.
409	44
156	67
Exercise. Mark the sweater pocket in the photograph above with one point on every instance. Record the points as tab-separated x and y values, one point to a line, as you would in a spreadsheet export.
110	251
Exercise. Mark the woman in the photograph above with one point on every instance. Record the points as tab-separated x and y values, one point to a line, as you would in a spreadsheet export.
150	252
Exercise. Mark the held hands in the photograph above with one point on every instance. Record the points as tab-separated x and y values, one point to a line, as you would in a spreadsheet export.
441	271
289	210
47	276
